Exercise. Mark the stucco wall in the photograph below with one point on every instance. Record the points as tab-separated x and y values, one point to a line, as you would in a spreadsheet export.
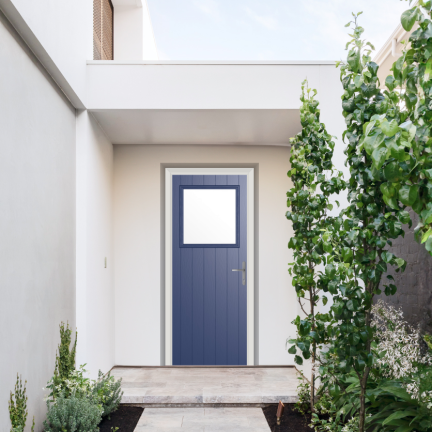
95	289
37	222
138	242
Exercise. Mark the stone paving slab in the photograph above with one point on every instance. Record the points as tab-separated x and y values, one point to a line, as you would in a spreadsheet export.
207	385
202	420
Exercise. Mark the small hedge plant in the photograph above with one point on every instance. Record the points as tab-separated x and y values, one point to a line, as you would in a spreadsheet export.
76	403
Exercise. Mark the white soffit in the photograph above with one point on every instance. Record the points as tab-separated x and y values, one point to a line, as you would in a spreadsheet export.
212	126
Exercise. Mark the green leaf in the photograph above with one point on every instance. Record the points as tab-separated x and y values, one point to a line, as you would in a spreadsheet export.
389	128
354	339
404	217
398	415
354	60
392	171
324	300
379	156
352	305
426	235
428	71
330	271
408	194
347	255
373	141
404	428
292	350
408	18
387	256
298	360
428	245
389	82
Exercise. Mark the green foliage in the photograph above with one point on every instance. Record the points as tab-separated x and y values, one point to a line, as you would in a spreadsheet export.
373	218
18	407
326	417
314	180
303	392
72	414
108	392
75	384
428	339
407	155
65	363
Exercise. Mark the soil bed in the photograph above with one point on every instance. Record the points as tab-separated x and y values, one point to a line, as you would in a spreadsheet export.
125	418
292	421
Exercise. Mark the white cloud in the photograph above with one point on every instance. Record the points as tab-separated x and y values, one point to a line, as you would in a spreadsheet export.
208	7
268	22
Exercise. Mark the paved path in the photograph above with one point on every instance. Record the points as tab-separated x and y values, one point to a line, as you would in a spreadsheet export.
202	420
146	385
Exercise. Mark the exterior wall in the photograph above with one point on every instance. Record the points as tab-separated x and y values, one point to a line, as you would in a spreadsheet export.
95	289
139	239
414	294
133	32
37	222
65	31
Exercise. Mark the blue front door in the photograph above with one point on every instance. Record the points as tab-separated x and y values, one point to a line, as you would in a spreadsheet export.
209	269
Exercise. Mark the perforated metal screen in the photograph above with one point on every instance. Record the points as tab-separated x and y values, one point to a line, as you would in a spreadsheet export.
103	30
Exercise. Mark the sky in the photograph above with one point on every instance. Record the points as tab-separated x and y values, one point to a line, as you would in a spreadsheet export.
266	29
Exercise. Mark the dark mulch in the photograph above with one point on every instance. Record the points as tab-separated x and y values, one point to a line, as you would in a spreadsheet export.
292	421
125	418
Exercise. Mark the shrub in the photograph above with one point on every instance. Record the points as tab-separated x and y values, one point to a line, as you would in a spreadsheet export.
65	362
403	354
303	391
18	407
108	392
76	384
72	414
326	417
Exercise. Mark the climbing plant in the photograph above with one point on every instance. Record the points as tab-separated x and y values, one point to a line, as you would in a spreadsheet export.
359	256
314	180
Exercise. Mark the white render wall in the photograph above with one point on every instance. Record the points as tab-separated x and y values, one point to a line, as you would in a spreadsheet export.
133	31
138	240
37	223
64	31
94	288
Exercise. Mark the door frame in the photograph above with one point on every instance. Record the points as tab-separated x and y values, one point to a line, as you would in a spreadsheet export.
249	172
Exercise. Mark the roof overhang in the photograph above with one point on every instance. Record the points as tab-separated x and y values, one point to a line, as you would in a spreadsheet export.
160	102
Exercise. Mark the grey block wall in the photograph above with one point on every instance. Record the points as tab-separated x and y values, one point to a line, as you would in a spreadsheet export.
37	223
414	294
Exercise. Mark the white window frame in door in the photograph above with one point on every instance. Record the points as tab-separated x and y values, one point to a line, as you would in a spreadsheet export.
249	172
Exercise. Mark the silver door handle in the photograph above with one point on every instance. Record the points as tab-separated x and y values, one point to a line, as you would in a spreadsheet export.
243	269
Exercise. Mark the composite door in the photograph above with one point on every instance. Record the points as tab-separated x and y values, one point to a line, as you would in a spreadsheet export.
209	269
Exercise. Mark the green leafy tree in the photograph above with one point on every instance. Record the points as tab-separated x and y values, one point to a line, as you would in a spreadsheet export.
409	164
309	199
359	259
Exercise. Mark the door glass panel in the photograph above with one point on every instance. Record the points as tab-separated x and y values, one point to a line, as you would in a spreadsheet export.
209	216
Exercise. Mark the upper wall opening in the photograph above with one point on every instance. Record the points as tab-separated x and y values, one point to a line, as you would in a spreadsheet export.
122	31
103	30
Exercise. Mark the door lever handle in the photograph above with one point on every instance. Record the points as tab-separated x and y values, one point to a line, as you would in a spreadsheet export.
243	270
